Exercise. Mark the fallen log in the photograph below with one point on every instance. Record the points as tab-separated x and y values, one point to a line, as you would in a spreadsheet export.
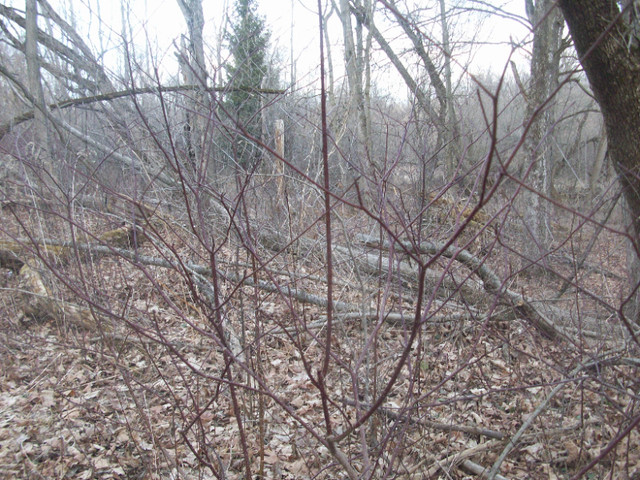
14	252
376	265
38	303
10	260
36	300
369	263
491	282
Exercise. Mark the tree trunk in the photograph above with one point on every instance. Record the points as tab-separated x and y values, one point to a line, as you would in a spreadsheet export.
540	117
33	72
192	65
596	168
356	64
443	117
606	41
453	138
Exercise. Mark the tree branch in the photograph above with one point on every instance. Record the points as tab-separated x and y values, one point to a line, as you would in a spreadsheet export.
105	97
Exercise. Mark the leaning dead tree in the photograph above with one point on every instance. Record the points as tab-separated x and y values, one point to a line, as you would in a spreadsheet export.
128	93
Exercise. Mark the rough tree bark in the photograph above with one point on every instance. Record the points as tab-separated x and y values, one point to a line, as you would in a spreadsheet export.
357	64
192	65
541	117
606	39
192	11
33	71
453	140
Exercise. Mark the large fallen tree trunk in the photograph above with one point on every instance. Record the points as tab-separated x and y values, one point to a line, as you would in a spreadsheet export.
36	300
39	303
118	241
204	273
492	284
445	286
551	321
14	253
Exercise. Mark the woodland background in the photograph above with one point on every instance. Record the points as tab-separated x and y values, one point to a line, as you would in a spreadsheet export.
238	269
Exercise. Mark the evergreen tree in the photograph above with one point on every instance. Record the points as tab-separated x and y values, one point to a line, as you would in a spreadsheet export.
248	39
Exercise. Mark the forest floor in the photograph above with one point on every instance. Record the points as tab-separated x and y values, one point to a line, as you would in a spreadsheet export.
99	403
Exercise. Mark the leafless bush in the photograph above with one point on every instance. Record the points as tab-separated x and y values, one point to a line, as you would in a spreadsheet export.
304	322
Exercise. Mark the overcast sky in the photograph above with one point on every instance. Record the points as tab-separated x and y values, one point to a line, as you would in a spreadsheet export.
294	23
160	23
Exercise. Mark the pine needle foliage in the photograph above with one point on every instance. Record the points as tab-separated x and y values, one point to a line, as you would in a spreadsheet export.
248	39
